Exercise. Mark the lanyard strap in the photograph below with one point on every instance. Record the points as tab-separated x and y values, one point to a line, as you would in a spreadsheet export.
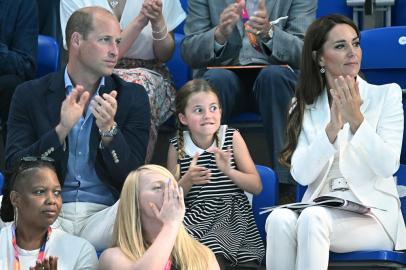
41	254
251	37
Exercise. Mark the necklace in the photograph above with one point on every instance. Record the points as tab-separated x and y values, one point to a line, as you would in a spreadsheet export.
113	3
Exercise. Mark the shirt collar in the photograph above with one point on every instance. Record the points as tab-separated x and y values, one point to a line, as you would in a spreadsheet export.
69	84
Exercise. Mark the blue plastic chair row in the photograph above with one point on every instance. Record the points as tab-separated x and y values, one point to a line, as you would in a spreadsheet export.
1	183
47	55
268	197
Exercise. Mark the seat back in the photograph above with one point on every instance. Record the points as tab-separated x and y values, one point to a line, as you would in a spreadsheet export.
1	183
384	55
180	71
47	55
325	7
268	197
398	13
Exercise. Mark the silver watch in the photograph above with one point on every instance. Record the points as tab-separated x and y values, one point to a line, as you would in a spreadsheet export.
109	133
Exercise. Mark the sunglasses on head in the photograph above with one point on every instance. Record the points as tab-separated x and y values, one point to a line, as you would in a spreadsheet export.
34	158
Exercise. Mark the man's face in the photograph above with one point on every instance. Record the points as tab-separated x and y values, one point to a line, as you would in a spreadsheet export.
98	53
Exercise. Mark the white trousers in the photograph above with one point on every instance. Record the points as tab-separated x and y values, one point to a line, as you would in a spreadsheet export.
303	241
94	222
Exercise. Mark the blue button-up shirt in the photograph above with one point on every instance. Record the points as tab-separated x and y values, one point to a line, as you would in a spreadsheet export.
81	182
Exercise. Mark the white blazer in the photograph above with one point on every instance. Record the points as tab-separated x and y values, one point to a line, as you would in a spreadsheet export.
368	159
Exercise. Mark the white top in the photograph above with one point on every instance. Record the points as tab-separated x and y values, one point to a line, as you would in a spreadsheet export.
73	253
142	47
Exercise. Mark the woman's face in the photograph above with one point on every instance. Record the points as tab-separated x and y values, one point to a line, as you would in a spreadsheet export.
151	188
341	53
39	198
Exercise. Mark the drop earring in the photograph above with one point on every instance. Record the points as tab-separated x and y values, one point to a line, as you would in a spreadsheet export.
15	216
322	70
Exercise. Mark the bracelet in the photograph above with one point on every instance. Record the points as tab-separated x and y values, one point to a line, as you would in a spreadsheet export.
161	38
160	31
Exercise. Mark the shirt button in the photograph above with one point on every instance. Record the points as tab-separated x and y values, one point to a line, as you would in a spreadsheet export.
80	153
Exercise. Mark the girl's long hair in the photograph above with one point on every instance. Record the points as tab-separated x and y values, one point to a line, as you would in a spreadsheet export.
188	253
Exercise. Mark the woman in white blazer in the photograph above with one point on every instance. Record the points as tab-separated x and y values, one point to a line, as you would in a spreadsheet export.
344	138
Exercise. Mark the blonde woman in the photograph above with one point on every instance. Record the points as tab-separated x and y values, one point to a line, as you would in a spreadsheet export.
148	232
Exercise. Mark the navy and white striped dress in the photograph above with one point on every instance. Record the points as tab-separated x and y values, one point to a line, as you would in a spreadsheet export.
218	214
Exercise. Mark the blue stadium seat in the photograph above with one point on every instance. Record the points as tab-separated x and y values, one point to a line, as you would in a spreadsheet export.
180	71
384	55
399	13
384	61
47	55
1	183
369	259
268	196
325	7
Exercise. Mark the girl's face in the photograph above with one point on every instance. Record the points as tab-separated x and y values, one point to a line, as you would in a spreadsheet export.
202	114
151	190
341	53
39	201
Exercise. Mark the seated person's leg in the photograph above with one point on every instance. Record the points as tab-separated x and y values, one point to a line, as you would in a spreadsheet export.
321	229
8	84
273	90
281	239
231	92
91	221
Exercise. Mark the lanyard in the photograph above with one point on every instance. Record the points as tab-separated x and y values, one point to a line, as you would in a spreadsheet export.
251	37
41	254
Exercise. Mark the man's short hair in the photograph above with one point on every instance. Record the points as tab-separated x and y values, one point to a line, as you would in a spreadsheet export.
81	21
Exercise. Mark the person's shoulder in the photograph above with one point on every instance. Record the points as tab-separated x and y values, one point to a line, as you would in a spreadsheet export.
381	90
110	257
37	86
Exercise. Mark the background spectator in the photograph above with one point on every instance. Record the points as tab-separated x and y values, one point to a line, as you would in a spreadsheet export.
18	50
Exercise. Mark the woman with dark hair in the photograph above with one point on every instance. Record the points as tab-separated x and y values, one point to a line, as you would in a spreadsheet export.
344	138
32	201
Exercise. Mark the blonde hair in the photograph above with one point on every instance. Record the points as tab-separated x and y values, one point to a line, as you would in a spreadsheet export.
187	253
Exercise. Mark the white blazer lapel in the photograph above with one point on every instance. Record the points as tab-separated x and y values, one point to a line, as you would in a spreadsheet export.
319	116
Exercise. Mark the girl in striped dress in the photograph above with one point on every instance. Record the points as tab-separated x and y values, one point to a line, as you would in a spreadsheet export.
213	166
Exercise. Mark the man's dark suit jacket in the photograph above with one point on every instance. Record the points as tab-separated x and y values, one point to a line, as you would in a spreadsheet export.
35	112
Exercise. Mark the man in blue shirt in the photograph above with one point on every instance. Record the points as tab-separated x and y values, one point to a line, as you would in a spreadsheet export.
18	49
92	123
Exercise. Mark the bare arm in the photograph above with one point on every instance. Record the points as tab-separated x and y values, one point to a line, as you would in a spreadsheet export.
163	43
246	175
